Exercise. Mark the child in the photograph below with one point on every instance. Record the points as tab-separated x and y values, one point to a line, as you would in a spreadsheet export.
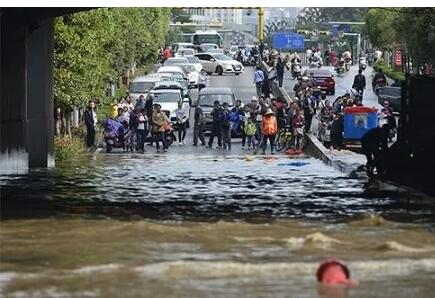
250	130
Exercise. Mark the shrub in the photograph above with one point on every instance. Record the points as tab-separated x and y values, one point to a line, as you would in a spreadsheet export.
389	72
65	147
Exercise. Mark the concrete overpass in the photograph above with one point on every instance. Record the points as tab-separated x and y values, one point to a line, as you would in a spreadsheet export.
26	87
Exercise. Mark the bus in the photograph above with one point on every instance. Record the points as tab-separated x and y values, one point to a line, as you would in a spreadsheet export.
200	37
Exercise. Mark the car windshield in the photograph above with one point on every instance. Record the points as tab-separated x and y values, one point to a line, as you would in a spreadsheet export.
222	57
209	99
167	97
185	51
188	68
193	59
141	87
175	61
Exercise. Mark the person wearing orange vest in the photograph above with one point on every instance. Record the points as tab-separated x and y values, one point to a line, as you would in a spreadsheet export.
269	128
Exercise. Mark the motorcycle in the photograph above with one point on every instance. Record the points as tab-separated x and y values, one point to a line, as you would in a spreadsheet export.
370	59
362	63
381	82
113	134
347	64
339	68
324	133
296	70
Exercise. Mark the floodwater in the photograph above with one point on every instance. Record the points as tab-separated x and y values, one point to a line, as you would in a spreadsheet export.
197	225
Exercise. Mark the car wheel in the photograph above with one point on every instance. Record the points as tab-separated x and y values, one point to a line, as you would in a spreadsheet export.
219	70
332	92
237	73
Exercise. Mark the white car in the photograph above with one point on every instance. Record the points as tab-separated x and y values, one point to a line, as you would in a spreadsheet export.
185	52
192	74
195	61
173	70
175	61
143	84
168	99
220	64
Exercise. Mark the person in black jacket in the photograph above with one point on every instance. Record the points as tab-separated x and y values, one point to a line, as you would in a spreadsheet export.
359	84
216	127
91	122
375	145
337	128
280	67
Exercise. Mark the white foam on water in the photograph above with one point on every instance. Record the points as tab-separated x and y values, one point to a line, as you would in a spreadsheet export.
97	268
360	269
396	246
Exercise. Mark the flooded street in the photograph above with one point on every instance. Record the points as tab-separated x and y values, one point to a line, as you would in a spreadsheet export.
203	224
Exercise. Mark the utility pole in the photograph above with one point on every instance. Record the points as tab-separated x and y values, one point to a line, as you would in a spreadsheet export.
261	24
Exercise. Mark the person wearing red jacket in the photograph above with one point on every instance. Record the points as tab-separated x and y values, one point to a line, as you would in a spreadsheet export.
167	53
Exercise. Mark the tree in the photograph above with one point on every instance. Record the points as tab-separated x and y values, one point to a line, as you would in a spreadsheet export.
411	28
415	31
379	27
96	47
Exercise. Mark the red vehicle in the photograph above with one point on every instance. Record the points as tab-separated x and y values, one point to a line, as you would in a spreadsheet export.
323	79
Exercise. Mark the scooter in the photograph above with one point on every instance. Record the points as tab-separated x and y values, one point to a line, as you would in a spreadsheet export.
347	64
362	63
113	140
296	70
324	134
378	85
339	68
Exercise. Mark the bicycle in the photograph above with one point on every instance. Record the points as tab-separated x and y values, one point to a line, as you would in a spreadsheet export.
285	135
298	140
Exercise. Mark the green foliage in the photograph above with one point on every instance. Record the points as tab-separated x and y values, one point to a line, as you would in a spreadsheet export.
389	72
65	147
94	48
379	27
413	29
343	14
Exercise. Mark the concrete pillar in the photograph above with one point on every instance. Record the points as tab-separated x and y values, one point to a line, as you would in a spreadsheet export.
13	99
40	110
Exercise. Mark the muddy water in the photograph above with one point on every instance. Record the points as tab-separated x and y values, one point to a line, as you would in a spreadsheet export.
207	226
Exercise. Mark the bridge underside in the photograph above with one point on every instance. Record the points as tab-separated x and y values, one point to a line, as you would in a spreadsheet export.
26	87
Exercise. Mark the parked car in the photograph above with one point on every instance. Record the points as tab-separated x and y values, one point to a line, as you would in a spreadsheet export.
175	61
183	81
220	64
323	78
179	45
207	46
195	61
172	70
192	74
143	84
208	96
171	85
185	52
168	99
215	51
391	94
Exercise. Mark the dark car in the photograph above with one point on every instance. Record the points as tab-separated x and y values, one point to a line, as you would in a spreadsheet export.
391	94
323	78
208	96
